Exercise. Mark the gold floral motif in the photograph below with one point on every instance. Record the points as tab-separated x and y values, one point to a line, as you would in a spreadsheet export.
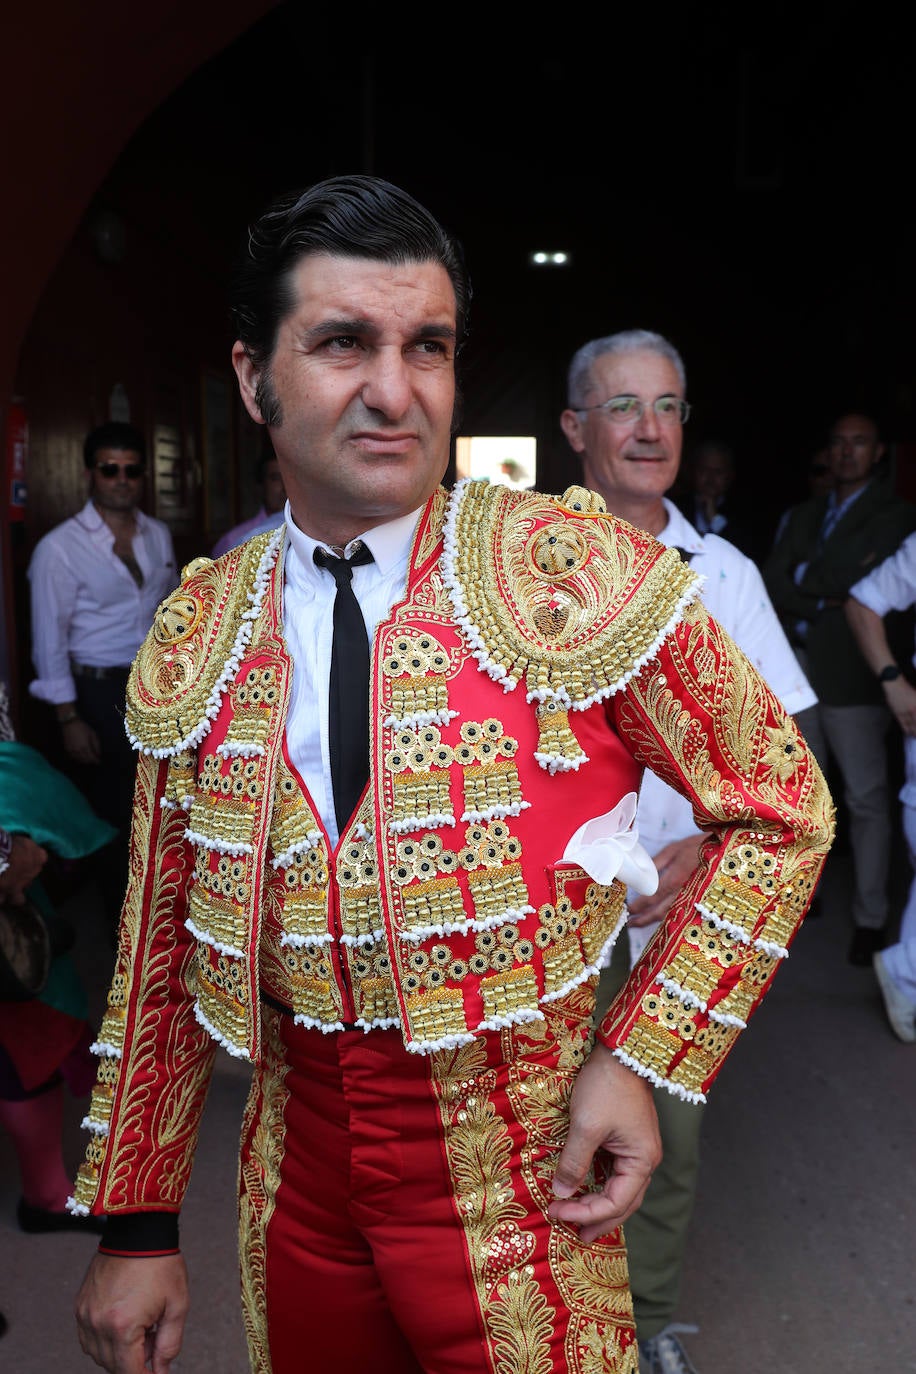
783	753
619	594
174	681
264	1128
157	1102
517	1317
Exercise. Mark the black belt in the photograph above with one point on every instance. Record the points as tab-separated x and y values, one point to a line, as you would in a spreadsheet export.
93	671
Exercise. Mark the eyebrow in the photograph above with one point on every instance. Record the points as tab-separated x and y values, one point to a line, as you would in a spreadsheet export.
360	326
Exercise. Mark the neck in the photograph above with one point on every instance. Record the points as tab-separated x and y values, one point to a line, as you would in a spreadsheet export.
120	521
649	515
844	490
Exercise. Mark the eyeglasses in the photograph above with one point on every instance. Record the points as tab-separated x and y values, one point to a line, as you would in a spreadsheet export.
628	410
132	470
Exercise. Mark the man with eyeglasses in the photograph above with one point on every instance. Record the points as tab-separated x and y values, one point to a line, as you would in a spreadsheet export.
96	580
626	421
826	545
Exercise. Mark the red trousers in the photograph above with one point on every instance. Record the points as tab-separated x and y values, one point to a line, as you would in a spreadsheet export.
393	1209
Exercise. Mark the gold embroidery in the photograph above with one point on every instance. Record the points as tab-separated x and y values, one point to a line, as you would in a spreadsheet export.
577	626
152	947
518	1319
264	1126
177	675
293	825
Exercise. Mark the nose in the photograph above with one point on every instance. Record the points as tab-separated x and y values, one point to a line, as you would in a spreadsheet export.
387	387
647	426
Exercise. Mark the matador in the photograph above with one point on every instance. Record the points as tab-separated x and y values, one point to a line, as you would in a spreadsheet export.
434	1158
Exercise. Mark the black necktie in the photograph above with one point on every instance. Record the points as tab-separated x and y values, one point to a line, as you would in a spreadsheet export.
349	687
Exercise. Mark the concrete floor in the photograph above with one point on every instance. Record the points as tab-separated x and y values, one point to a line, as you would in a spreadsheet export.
803	1253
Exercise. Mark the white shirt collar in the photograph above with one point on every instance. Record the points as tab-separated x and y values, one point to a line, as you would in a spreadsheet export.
679	533
389	544
92	521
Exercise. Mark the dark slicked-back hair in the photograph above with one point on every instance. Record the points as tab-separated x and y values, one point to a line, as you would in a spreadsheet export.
113	434
347	216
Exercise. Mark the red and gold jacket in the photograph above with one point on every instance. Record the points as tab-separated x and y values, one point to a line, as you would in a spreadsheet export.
544	654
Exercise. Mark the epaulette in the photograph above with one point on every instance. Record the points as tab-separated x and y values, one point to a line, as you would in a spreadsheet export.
194	647
558	594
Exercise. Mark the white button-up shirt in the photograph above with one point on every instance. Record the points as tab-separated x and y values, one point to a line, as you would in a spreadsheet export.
308	629
86	606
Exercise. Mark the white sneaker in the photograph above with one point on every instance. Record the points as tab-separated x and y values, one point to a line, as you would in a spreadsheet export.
900	1011
664	1354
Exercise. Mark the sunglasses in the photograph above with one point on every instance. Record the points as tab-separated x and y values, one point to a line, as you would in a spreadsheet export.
132	470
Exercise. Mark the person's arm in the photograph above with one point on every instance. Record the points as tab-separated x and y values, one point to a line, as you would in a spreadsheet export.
144	1116
53	602
791	601
702	718
21	861
675	862
871	637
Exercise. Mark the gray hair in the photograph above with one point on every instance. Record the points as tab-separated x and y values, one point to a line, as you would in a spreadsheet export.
627	341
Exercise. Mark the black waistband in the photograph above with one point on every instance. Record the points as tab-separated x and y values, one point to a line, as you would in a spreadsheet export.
93	671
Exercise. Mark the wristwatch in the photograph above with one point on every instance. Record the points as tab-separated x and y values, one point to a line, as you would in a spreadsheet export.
889	673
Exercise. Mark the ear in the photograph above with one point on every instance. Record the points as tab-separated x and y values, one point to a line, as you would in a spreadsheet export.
571	425
248	376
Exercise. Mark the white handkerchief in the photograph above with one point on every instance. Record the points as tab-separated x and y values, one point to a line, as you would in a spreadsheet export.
608	847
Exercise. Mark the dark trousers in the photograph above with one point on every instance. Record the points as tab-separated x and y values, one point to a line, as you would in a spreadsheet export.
108	785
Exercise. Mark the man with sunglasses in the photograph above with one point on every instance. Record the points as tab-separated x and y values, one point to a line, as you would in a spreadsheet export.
626	421
96	580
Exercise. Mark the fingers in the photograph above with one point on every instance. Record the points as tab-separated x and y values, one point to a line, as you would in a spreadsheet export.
611	1109
130	1313
596	1214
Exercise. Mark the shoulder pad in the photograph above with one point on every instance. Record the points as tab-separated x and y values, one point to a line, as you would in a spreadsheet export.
558	593
193	649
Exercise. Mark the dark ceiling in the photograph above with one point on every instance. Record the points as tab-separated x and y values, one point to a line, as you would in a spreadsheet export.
742	191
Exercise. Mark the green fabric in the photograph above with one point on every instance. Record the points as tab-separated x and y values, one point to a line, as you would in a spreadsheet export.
39	801
657	1234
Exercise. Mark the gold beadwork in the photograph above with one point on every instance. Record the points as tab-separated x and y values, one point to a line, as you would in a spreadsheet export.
510	992
435	1014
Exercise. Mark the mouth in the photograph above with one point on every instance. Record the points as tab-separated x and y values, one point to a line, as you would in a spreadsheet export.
383	442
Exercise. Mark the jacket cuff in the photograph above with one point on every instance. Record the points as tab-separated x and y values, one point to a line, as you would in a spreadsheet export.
140	1234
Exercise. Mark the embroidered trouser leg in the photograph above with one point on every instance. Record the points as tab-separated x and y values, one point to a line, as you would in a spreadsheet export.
657	1234
393	1209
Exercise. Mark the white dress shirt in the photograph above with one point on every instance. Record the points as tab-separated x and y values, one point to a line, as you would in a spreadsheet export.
308	629
86	606
892	587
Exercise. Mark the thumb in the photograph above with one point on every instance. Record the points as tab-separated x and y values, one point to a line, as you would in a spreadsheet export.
166	1344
